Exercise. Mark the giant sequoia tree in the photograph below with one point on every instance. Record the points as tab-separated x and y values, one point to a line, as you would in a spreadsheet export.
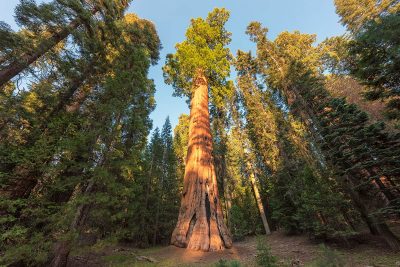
201	62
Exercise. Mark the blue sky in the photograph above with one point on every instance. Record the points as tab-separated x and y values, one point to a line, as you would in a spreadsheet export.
173	16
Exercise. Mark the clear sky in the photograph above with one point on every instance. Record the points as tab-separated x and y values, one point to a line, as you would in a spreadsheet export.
172	17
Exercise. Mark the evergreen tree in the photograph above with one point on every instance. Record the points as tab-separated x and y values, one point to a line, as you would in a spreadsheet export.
181	135
341	130
354	14
201	62
284	146
82	160
47	25
376	63
168	203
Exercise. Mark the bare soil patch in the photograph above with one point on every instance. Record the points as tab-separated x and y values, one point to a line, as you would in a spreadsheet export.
291	250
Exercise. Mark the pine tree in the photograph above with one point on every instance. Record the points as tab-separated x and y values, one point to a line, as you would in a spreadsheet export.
354	14
375	61
284	146
181	135
84	163
58	19
168	197
308	99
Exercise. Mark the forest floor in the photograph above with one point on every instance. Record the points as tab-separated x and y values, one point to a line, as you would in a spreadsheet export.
290	250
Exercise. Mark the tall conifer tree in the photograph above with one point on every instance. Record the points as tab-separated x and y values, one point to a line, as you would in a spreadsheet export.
200	63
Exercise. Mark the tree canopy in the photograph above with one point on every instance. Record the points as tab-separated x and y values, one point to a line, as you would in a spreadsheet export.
204	51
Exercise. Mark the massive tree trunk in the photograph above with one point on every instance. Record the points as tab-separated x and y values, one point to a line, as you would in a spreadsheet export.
200	223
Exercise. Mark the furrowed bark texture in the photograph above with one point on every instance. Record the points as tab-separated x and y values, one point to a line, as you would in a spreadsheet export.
200	223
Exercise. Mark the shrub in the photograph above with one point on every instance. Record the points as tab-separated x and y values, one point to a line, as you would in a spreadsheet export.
225	263
264	256
329	258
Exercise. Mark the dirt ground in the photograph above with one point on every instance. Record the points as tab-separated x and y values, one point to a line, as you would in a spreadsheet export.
297	250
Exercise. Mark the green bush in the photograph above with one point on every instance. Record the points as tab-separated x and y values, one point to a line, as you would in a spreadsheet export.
225	263
328	258
239	227
264	256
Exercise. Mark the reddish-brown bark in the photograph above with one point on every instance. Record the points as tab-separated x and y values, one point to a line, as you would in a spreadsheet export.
200	223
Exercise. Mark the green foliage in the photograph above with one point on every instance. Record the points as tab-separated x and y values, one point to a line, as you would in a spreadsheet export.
74	153
285	59
375	61
238	223
33	251
181	141
305	203
225	263
328	258
76	163
243	216
159	202
353	152
264	256
354	14
335	55
300	201
203	52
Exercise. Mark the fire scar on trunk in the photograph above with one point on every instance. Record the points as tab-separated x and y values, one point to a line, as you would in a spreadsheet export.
200	223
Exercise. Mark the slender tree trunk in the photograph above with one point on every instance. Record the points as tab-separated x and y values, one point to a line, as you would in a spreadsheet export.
27	59
376	225
228	201
63	248
157	219
143	225
348	220
258	199
200	223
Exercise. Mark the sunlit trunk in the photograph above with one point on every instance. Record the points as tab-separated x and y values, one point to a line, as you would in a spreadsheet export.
46	45
258	199
200	223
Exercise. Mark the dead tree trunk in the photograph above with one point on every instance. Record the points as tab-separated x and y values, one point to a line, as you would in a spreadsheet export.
200	223
258	199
